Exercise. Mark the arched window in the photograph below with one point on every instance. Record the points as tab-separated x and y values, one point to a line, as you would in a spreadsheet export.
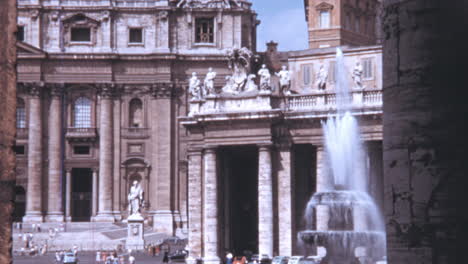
20	113
136	113
82	113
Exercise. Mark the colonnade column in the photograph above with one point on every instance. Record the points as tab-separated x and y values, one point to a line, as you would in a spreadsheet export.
162	157
68	195
95	192
285	202
210	209
34	191
324	184
106	146
265	201
194	205
54	194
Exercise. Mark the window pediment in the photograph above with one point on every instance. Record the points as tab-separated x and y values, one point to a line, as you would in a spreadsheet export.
324	6
80	20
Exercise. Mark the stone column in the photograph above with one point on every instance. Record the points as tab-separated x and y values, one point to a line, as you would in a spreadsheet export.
54	192
210	207
162	157
68	189
106	156
194	205
95	192
285	202
34	191
324	184
265	201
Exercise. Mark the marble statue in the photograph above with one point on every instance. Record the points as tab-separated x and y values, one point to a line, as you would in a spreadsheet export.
207	3
285	80
250	85
357	75
229	87
194	87
265	78
322	78
209	82
135	199
239	63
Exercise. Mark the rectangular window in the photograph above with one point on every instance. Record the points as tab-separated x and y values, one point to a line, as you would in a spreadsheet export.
331	71
19	149
135	35
81	150
20	33
204	30
324	19
367	68
357	25
81	34
306	80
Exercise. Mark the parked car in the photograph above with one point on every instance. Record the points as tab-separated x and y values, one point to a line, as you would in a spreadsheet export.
263	259
239	260
295	259
280	260
178	256
70	258
310	260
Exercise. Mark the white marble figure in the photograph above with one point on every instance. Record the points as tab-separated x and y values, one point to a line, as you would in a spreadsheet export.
209	82
250	85
194	87
135	199
322	78
285	80
357	75
265	78
229	88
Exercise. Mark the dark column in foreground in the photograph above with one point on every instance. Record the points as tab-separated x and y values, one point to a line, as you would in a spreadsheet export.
425	113
7	121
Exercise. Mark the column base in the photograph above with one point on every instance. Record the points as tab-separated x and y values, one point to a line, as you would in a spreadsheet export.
54	217
33	217
163	222
191	260
117	216
103	218
211	260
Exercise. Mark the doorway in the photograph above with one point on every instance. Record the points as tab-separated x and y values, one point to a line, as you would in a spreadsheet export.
82	187
238	167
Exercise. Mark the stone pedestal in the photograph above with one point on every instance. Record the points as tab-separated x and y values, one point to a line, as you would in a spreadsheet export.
135	234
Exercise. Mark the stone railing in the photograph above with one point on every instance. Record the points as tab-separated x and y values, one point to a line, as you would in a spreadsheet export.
327	100
231	104
117	3
81	133
135	132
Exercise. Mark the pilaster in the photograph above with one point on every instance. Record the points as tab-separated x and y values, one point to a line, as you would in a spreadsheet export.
195	204
210	207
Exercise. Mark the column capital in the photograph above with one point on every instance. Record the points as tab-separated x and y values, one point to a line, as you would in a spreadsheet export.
107	90
265	146
68	170
193	151
35	89
162	90
210	149
94	169
56	90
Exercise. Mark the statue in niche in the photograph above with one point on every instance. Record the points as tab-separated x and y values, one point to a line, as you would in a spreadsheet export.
322	78
137	117
209	82
194	87
265	78
135	199
285	80
357	75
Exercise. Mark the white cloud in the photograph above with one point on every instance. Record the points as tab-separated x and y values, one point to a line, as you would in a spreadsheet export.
287	27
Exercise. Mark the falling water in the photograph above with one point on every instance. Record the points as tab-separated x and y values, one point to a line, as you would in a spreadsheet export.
354	220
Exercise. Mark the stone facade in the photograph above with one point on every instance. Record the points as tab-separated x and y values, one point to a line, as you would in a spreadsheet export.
7	120
101	84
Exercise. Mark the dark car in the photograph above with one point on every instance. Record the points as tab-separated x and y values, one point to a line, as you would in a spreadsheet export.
280	260
178	256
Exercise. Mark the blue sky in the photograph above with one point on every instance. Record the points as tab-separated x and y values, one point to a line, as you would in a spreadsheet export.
282	21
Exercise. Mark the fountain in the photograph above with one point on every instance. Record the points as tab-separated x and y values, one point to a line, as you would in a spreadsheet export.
348	223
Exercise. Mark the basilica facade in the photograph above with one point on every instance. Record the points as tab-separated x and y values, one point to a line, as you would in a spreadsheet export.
105	99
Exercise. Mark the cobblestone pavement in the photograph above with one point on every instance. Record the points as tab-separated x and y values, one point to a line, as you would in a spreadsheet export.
86	258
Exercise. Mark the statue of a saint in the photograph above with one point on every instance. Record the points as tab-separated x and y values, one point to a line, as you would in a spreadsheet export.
194	87
209	82
135	199
250	85
265	77
357	75
285	79
322	78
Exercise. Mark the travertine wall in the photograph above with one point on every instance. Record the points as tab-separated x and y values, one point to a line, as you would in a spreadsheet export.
424	117
7	121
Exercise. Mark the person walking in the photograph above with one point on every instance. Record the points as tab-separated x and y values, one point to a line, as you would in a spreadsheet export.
166	257
98	256
229	258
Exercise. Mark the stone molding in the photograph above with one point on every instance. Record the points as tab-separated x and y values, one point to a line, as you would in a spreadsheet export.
107	91
162	90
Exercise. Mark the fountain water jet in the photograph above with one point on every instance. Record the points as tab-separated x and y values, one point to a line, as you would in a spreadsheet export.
341	216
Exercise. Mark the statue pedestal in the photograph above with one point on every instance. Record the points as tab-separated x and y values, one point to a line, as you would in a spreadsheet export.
135	239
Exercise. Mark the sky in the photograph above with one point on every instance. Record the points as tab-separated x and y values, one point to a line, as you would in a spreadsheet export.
282	21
